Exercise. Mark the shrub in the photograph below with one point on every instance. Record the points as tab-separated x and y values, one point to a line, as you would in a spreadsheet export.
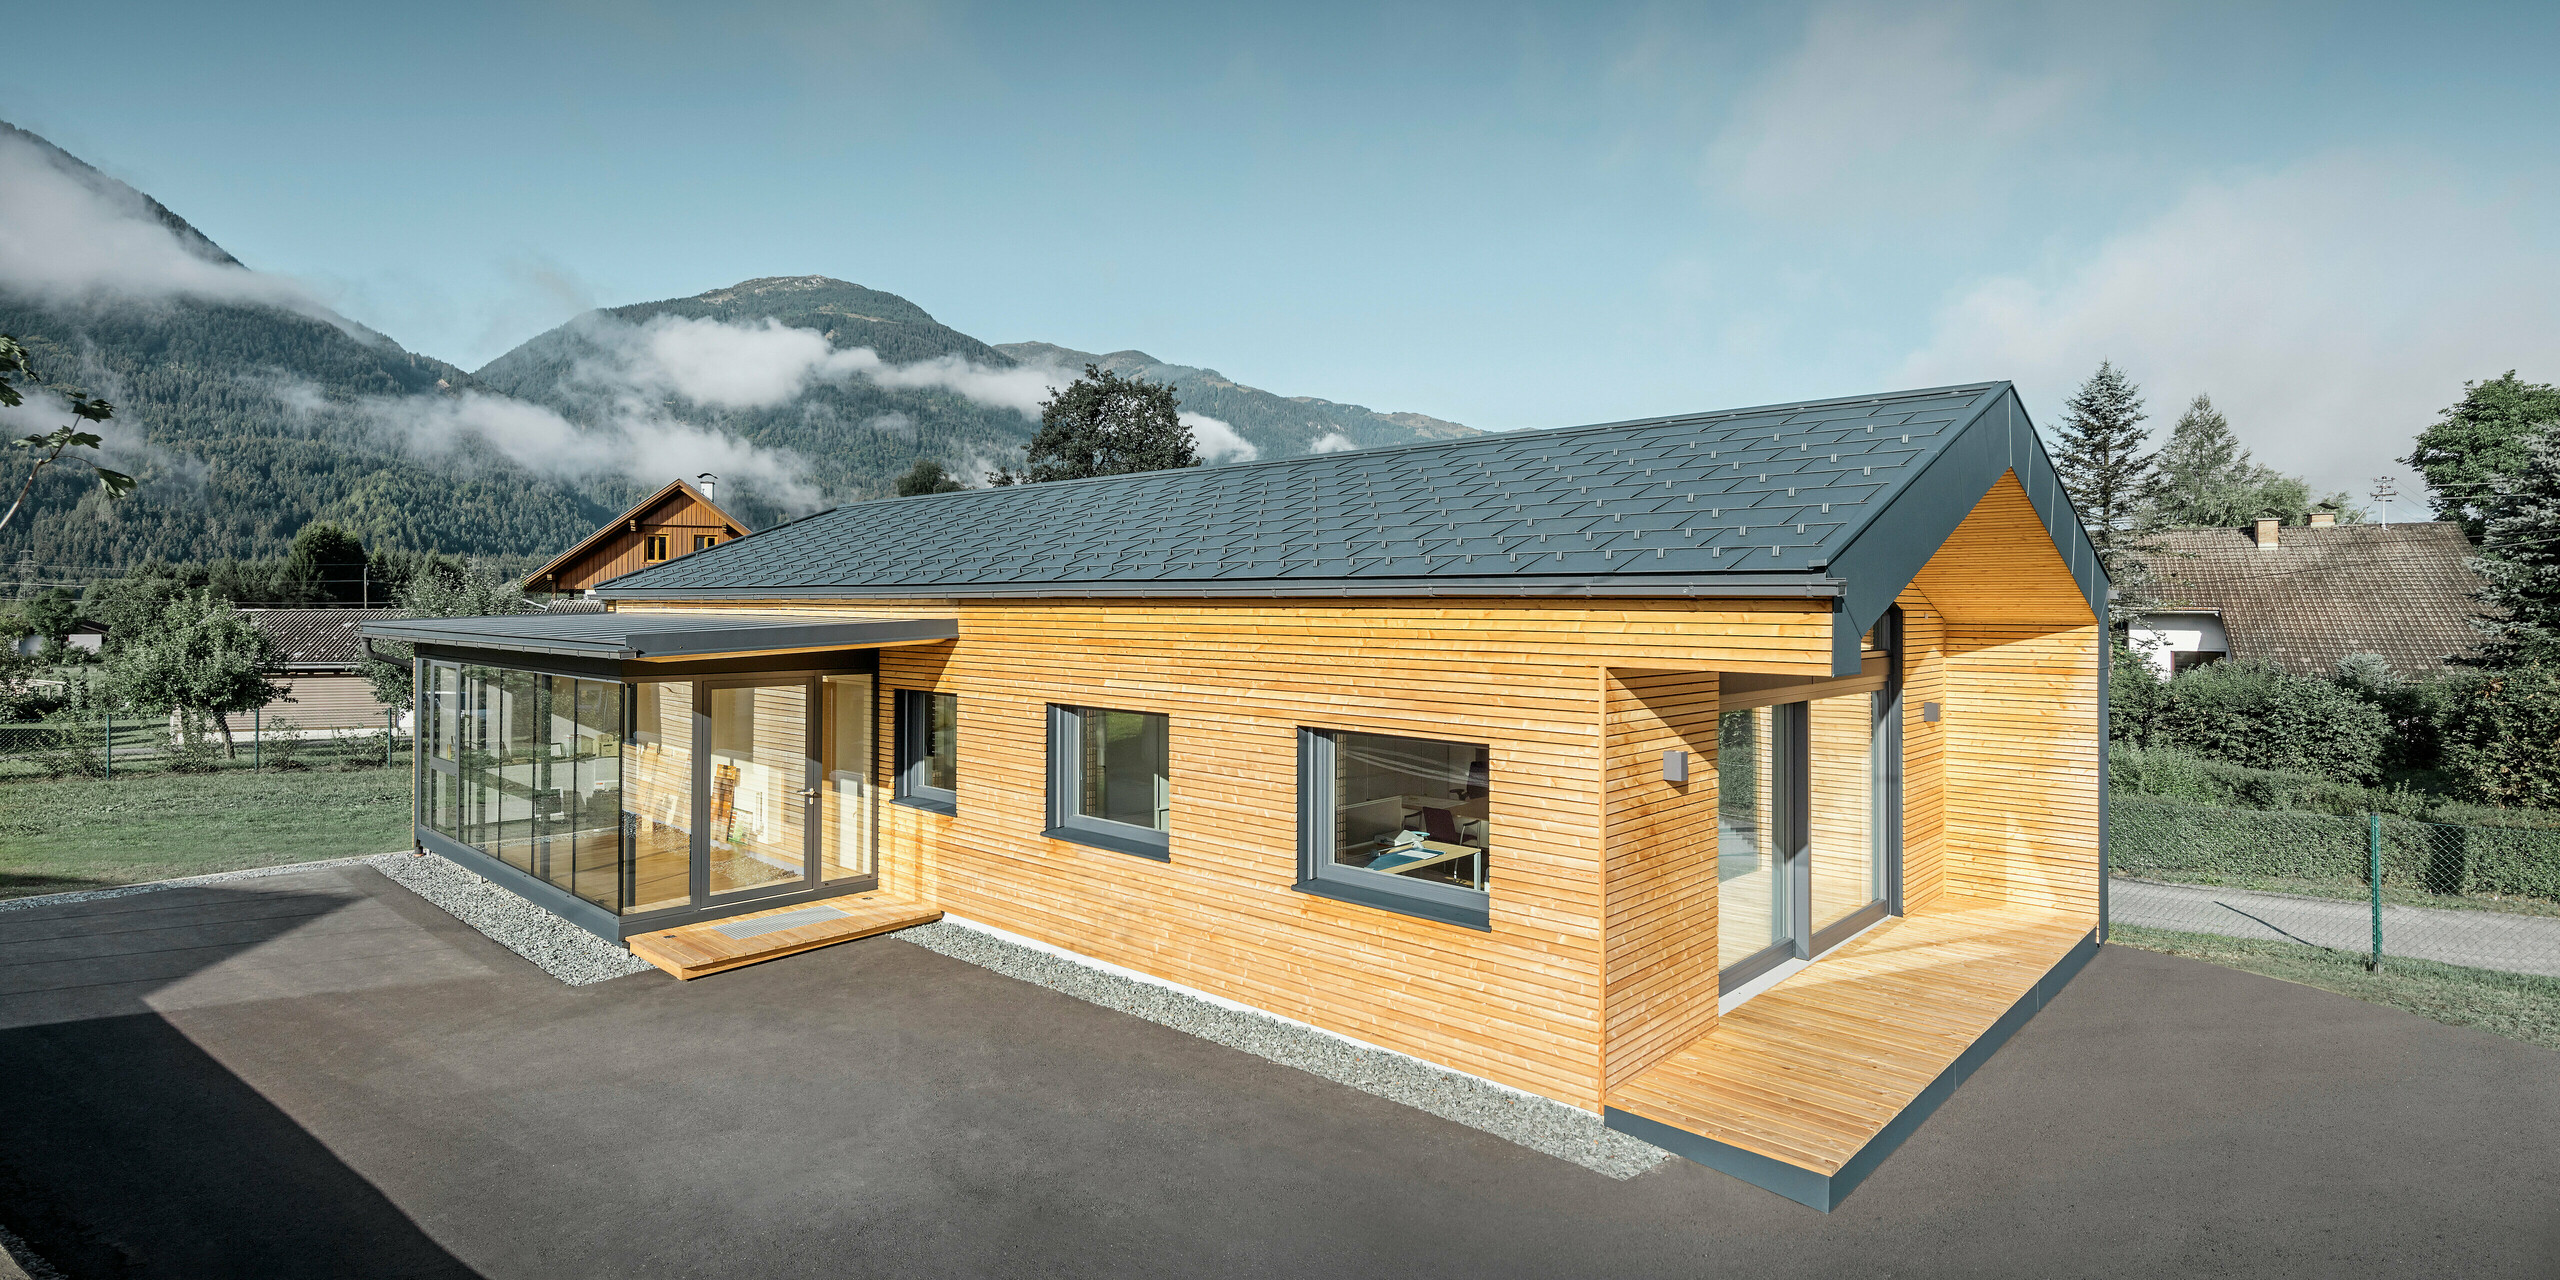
2500	735
2170	772
193	752
281	745
2255	714
70	744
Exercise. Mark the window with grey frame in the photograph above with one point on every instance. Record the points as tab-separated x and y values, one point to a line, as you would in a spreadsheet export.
928	729
1403	824
1110	784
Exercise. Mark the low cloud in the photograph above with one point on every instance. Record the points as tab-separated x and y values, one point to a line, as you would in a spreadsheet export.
636	442
1217	441
69	235
728	365
122	445
2331	309
1332	442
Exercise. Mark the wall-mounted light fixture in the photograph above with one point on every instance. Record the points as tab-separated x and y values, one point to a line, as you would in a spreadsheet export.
1929	712
1675	766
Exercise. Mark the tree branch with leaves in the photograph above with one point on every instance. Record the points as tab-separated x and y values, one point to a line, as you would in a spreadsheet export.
51	447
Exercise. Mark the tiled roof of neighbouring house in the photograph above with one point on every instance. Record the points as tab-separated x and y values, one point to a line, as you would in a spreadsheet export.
2320	594
1683	504
309	638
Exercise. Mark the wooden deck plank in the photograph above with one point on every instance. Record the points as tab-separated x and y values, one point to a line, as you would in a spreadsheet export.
1814	1068
694	950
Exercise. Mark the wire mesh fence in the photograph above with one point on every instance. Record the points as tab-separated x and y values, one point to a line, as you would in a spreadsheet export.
103	746
2483	897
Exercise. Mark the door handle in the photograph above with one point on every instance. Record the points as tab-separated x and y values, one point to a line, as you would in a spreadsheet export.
809	794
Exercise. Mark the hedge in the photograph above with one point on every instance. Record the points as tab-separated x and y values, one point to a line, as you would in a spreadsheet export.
2148	835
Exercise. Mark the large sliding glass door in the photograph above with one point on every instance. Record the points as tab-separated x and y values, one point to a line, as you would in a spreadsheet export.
1804	826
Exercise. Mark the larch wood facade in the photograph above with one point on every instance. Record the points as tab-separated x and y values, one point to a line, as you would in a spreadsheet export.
1925	798
1601	958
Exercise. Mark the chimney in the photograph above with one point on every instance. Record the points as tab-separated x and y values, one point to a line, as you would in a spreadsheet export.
2323	519
2267	533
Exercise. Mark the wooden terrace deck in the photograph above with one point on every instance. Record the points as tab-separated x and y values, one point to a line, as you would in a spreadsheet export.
1806	1087
713	946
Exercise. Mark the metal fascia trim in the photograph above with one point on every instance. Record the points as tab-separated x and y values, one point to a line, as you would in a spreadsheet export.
1809	587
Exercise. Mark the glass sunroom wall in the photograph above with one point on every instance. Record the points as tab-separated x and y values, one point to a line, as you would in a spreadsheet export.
1751	879
583	853
658	794
526	767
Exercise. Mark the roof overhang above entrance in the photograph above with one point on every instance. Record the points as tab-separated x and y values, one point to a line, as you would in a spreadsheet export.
653	636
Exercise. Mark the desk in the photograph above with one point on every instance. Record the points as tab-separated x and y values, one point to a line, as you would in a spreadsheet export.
1434	854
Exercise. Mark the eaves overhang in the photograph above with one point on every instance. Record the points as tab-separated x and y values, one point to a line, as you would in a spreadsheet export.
657	636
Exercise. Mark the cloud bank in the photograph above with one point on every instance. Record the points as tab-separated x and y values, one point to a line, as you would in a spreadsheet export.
2330	308
73	237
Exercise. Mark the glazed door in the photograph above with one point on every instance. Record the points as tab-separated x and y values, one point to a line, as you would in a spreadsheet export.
759	789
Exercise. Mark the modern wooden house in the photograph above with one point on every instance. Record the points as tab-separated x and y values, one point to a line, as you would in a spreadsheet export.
677	520
1736	775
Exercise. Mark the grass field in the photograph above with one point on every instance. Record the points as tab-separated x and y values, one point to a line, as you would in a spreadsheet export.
90	833
2519	1006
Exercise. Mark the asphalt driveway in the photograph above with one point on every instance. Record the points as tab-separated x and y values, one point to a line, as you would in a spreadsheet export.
321	1075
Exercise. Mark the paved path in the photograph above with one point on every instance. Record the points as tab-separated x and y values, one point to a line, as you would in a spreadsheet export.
2480	939
322	1075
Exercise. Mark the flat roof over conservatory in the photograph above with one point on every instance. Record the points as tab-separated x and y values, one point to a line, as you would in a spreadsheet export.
641	637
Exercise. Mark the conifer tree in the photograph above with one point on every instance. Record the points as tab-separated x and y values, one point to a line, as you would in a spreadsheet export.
2112	482
2520	559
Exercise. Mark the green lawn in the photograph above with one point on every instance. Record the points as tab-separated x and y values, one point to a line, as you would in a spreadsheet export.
89	833
2519	1006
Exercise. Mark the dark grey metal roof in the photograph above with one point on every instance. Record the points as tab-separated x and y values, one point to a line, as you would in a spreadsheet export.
630	636
1775	499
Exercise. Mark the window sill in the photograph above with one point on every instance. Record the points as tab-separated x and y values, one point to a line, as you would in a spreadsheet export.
1479	917
1137	844
930	804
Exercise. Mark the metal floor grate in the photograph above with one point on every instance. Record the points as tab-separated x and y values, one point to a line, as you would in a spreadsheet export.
775	924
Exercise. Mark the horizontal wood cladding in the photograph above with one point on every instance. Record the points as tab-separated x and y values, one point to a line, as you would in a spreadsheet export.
1924	662
1522	1003
2000	565
328	702
1660	969
2022	764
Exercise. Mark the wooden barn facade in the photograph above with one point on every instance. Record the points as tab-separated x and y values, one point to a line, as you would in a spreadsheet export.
677	520
1737	776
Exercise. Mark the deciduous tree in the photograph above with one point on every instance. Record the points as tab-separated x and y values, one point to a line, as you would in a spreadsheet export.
1103	424
2477	439
201	659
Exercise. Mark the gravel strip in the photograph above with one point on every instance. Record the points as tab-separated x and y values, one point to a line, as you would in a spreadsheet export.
1540	1124
18	1262
155	886
558	947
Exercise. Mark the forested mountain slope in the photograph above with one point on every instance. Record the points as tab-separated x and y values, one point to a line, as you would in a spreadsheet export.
1285	426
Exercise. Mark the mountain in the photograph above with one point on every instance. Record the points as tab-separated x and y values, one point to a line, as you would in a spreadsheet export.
943	394
212	399
250	408
1284	426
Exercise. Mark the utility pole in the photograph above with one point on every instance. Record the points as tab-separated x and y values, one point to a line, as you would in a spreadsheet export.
2382	493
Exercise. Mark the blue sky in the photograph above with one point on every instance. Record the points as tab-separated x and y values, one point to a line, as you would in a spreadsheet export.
2327	217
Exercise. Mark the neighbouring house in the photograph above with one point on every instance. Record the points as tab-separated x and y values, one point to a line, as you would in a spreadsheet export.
322	650
2305	596
1736	776
85	635
675	521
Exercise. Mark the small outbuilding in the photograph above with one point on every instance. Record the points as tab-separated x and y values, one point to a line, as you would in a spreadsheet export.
1737	776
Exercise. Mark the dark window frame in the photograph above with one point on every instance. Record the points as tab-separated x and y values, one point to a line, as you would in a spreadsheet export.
1320	875
1066	782
914	733
653	549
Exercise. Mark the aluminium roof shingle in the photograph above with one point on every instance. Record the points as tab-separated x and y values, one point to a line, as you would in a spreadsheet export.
1766	493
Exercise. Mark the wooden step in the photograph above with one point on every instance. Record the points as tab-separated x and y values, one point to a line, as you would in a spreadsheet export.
692	950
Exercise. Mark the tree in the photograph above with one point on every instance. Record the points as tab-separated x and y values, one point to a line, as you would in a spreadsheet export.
52	613
201	659
2208	480
927	476
2114	485
50	446
1107	425
327	565
2477	439
471	591
2519	562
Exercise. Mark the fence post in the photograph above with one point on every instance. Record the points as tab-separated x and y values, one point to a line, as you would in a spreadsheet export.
2373	846
256	738
390	730
111	746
